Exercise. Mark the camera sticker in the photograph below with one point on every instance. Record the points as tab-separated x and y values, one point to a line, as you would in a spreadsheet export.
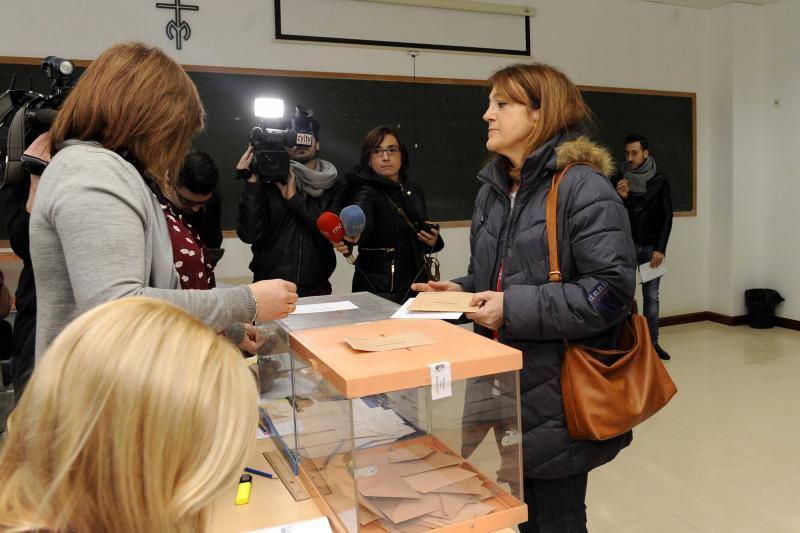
306	139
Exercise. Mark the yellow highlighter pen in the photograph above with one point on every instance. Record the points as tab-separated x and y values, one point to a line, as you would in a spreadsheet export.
243	490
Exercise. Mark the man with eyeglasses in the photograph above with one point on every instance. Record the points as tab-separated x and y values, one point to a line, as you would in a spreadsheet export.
198	198
191	206
279	220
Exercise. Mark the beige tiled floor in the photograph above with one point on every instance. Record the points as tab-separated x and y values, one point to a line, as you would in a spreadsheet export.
724	455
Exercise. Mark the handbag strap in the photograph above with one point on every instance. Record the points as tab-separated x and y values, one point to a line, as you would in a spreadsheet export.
552	226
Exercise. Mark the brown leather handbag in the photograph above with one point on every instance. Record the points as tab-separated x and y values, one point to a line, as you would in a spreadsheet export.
608	392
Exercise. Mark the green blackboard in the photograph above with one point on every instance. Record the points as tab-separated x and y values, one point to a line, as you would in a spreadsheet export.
440	121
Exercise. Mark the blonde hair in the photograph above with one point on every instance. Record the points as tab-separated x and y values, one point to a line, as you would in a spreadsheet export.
136	418
134	98
542	87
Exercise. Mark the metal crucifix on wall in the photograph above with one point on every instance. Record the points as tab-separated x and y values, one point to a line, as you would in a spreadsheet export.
176	28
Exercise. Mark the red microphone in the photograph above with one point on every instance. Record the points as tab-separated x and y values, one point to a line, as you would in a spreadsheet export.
332	228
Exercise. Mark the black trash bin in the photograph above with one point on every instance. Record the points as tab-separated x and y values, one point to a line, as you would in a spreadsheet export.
761	307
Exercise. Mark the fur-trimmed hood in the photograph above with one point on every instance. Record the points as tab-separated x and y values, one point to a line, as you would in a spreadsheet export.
583	150
572	146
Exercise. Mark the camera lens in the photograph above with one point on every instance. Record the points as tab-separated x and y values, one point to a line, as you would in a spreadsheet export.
66	68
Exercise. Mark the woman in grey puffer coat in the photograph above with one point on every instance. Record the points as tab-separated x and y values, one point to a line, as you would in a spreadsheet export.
535	119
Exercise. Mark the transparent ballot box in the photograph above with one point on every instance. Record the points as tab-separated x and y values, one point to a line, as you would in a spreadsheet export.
398	425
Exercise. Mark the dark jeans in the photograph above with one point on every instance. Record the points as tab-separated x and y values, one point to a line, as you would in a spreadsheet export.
649	293
5	350
22	365
556	505
5	339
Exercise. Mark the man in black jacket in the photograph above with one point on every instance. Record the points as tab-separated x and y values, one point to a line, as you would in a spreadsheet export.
198	196
645	191
280	220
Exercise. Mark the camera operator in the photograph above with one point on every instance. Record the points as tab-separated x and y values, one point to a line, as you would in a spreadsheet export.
25	118
17	219
279	220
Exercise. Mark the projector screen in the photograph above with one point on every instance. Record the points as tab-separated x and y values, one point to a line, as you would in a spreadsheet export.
376	24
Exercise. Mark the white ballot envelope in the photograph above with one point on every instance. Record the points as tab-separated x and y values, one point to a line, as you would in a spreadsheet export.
648	273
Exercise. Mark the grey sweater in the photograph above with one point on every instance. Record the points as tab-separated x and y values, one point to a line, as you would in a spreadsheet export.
97	234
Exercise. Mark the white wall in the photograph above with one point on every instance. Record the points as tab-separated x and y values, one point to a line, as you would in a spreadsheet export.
620	43
737	140
718	116
780	184
754	182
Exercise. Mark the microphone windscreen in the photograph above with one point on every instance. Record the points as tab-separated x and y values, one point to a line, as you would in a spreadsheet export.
330	226
353	220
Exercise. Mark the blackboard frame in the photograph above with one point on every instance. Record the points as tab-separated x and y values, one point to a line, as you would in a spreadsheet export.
693	96
8	60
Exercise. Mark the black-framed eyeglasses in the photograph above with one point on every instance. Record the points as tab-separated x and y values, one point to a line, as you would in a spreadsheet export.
186	202
391	151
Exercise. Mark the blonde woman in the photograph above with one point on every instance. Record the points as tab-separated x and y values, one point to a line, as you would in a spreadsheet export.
136	419
97	233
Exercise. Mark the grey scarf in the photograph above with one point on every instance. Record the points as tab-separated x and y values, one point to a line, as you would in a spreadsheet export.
637	179
314	182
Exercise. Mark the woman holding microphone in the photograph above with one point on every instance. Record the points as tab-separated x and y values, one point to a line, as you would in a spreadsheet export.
396	239
536	119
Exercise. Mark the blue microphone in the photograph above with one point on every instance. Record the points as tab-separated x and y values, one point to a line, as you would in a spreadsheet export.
353	219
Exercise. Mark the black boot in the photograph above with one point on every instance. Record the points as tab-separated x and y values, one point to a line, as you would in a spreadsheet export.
662	353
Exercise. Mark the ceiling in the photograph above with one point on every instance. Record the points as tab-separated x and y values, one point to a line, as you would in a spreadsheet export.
708	4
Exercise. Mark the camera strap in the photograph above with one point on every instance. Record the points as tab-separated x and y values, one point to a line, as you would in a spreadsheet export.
13	173
401	213
430	263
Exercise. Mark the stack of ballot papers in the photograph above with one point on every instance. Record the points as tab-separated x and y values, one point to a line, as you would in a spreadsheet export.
417	488
323	428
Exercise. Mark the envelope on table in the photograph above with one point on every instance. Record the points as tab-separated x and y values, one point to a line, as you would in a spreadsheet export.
472	486
432	462
402	509
409	453
436	479
369	506
408	527
389	342
365	516
453	503
473	510
468	512
386	484
369	457
443	301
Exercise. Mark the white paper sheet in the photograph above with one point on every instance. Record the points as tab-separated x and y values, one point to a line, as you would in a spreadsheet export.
403	312
287	427
305	309
315	525
647	273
